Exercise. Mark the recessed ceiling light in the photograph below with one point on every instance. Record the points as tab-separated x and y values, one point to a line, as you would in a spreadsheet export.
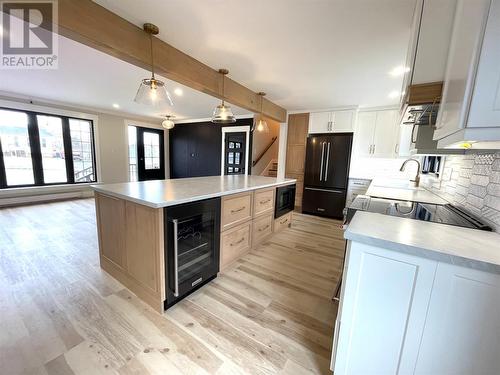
178	91
116	105
398	71
394	94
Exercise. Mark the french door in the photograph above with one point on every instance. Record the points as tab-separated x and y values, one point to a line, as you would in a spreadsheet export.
150	154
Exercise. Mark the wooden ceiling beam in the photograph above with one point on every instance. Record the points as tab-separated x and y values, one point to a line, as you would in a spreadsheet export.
93	25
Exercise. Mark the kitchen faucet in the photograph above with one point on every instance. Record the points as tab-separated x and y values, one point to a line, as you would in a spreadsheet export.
417	176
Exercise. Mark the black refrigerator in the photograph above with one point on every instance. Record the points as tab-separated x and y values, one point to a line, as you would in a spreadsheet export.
326	174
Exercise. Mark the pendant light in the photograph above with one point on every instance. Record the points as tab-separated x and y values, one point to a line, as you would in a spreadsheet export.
223	113
261	125
168	123
152	91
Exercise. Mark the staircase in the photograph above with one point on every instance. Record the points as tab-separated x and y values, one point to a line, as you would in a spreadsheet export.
271	169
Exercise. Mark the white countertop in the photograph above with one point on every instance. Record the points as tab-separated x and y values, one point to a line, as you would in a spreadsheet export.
402	190
447	243
163	193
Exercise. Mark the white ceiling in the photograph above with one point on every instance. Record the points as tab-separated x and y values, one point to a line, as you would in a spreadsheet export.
306	54
88	78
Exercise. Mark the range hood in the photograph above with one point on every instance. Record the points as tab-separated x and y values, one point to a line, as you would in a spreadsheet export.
420	113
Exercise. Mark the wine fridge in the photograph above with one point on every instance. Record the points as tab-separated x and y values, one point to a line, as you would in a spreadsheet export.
192	239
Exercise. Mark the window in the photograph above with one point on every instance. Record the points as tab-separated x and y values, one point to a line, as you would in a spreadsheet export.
151	150
54	165
82	151
16	150
39	149
132	153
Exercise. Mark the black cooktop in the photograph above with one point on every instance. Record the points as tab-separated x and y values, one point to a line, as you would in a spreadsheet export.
444	214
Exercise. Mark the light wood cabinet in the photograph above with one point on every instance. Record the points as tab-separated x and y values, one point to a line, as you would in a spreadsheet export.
263	201
332	122
296	152
236	209
376	134
283	222
112	229
235	243
131	246
262	228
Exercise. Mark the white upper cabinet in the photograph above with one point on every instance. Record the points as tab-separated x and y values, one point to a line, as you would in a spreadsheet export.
332	122
471	94
319	122
376	134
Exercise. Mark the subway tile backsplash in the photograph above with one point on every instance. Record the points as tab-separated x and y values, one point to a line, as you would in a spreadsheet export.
472	182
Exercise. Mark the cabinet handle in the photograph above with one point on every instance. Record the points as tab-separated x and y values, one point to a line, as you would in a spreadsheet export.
265	201
237	242
373	151
264	228
320	209
284	221
238	210
370	149
396	148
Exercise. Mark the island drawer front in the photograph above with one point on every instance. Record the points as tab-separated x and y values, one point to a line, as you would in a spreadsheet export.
234	243
236	209
262	227
283	222
263	201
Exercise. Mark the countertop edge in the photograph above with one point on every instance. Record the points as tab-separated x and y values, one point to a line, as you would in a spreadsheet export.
99	189
433	254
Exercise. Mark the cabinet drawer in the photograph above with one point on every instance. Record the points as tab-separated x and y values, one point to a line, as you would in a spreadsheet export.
236	209
262	227
234	243
263	201
283	222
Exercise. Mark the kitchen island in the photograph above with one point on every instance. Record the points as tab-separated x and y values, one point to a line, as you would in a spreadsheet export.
418	298
131	224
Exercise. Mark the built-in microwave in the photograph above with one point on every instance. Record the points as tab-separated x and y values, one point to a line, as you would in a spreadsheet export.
285	200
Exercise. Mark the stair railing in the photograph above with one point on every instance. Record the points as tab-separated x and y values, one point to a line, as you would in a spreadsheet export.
254	163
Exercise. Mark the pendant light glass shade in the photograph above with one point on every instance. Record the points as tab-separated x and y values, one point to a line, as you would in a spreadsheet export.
261	125
152	91
223	113
168	123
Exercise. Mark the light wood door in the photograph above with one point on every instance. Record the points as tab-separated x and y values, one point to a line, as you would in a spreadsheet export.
384	300
112	229
468	26
296	152
343	121
364	134
320	122
385	136
461	334
485	106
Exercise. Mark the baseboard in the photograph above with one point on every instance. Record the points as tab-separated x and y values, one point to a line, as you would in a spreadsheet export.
31	199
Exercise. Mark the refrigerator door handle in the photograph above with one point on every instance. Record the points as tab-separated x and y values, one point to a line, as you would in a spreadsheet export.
325	190
327	160
322	157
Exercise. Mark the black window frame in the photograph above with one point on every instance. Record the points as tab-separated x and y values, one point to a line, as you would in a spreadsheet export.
36	154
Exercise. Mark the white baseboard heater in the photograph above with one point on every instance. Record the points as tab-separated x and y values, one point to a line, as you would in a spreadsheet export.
14	201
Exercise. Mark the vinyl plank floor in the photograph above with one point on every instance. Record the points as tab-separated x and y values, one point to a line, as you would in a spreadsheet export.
270	313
